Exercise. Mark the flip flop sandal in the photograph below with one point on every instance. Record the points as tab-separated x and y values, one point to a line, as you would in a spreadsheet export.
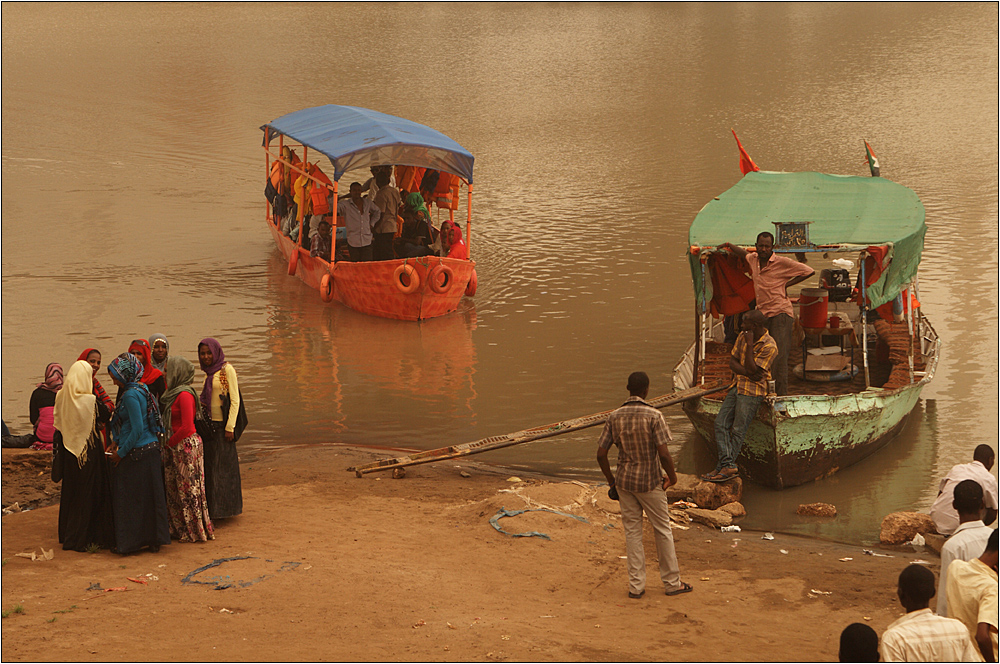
685	588
723	477
707	476
636	595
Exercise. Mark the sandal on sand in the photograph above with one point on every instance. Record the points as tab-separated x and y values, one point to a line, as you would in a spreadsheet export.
685	588
636	595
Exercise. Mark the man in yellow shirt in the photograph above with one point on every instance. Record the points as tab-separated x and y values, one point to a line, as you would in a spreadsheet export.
972	597
751	361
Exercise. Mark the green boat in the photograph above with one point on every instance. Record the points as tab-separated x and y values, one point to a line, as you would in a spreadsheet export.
854	376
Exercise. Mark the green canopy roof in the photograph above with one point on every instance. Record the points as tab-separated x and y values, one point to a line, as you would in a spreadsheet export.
859	211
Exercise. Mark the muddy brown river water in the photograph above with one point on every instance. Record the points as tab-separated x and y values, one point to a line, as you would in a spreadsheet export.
132	204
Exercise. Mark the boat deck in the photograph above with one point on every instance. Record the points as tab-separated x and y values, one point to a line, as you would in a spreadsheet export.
892	373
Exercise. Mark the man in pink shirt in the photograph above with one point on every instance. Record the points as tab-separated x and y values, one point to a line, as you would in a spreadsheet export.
772	276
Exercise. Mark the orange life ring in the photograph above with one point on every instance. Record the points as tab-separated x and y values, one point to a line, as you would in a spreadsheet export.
470	288
412	276
440	278
326	287
293	262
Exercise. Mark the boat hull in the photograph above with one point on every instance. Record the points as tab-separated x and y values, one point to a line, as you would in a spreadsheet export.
814	438
371	287
801	438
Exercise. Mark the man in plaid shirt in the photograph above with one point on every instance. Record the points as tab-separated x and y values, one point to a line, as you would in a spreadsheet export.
641	435
751	362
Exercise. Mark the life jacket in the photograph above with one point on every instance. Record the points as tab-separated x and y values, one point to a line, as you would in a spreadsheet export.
446	192
302	199
291	175
732	287
275	174
318	192
408	178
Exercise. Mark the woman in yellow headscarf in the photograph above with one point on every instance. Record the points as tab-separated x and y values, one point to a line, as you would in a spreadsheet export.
85	516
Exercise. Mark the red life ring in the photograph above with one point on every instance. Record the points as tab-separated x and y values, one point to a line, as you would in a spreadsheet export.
470	288
326	287
412	276
440	278
293	262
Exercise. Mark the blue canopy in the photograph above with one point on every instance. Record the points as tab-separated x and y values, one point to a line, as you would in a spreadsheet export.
356	138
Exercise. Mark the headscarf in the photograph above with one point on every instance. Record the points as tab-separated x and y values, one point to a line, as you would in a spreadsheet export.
180	375
162	366
53	377
218	359
416	203
99	391
140	348
127	370
74	415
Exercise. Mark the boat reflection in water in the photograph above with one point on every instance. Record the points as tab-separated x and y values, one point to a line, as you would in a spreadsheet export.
356	379
893	479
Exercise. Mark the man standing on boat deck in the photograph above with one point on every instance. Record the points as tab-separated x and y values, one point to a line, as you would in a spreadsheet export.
641	434
753	356
772	276
360	216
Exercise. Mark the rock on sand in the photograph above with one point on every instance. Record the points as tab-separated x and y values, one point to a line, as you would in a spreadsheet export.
713	495
900	527
714	518
736	510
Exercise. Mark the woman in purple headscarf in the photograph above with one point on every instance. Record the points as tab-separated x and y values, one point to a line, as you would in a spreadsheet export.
222	463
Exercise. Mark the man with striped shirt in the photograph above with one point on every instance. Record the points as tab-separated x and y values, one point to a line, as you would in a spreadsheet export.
751	362
641	435
920	635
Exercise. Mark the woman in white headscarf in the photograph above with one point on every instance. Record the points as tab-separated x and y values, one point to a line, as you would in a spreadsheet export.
160	349
85	516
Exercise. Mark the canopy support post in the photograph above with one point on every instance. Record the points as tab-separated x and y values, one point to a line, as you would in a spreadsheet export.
468	224
864	320
908	313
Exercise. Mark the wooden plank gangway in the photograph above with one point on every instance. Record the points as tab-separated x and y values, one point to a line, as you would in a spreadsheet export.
528	435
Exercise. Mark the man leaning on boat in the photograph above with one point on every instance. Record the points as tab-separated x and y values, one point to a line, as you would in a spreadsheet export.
772	276
753	356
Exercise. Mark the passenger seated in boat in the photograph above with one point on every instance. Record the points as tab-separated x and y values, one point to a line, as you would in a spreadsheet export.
452	244
417	234
320	247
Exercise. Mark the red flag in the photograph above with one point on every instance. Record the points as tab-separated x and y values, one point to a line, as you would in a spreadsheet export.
746	163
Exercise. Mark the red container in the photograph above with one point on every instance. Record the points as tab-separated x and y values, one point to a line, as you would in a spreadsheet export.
813	307
834	322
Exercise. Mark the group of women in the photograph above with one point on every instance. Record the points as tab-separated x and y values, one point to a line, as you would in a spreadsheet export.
157	463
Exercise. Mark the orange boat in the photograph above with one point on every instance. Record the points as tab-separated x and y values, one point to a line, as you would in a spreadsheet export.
355	138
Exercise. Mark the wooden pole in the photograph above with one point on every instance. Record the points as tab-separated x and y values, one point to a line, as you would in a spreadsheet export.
468	224
527	435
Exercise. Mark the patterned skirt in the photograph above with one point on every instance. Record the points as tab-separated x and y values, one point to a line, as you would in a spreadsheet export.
187	506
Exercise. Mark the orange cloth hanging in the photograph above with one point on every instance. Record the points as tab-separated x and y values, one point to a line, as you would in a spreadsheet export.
874	266
732	287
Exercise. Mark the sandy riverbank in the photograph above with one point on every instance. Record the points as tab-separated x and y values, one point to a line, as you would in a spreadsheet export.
343	568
